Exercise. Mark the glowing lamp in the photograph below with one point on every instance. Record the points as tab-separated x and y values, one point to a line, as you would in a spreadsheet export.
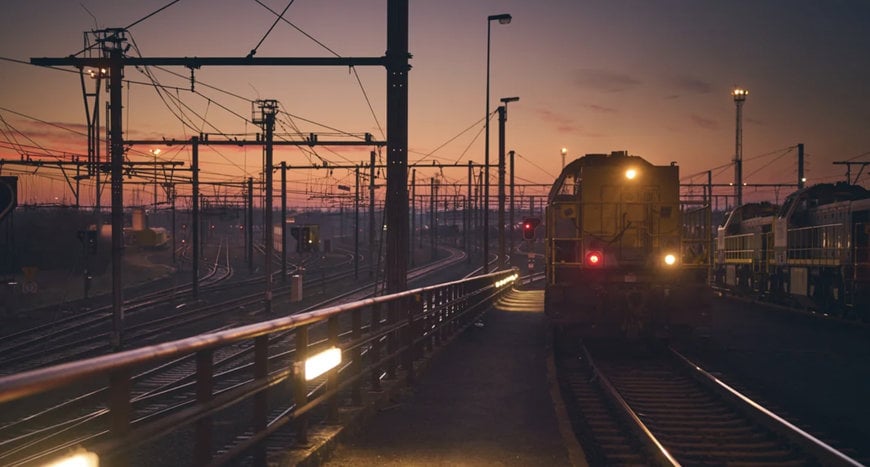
322	362
670	259
594	258
507	280
80	458
631	174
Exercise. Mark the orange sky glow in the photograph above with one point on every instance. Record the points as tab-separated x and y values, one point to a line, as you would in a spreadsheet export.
653	78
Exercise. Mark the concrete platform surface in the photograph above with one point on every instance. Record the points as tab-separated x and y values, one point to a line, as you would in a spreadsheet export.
484	400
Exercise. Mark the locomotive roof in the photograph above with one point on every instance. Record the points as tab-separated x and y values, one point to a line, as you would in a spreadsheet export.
752	210
826	193
615	159
604	159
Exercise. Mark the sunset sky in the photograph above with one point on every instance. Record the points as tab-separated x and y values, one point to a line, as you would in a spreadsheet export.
650	77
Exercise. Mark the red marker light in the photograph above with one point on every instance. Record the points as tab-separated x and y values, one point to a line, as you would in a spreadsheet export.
594	258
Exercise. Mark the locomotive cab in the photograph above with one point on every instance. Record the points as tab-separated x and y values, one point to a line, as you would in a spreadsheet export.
616	261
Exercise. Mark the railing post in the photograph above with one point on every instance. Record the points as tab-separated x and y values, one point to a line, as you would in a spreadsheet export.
392	338
411	347
204	388
120	409
261	399
332	376
375	352
300	389
356	356
431	322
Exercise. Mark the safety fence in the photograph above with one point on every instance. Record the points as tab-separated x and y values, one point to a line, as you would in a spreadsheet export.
214	398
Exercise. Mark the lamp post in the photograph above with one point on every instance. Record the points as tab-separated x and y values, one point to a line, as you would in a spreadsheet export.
739	98
502	19
502	119
155	153
564	152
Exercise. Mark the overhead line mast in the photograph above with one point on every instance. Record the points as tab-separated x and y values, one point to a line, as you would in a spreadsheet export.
396	63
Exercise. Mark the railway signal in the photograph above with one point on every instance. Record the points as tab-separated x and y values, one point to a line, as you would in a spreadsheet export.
529	226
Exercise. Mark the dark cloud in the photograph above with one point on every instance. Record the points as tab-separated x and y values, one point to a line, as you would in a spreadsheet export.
600	109
704	123
605	81
692	85
563	123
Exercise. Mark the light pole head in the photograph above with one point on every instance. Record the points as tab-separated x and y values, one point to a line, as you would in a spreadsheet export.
739	94
502	19
564	151
509	99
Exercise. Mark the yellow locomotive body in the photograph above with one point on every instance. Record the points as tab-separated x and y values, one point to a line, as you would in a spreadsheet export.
619	259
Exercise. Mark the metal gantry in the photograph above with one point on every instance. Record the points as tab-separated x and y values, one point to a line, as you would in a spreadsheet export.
112	45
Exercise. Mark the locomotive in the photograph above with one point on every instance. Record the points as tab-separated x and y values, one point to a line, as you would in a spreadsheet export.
812	252
624	256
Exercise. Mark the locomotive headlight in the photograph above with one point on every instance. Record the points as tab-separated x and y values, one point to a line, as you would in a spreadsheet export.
670	259
631	174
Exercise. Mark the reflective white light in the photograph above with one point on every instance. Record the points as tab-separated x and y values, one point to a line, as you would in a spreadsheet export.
79	459
630	174
506	280
670	259
322	362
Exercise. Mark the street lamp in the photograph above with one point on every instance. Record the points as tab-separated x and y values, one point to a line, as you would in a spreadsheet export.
739	95
502	119
564	152
502	19
155	153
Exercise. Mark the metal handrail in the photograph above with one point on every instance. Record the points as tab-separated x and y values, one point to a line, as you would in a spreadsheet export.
403	333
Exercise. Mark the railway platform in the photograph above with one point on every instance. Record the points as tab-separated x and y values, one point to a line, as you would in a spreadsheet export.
488	398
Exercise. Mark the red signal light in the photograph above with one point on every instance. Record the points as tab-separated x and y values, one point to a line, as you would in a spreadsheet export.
594	259
529	226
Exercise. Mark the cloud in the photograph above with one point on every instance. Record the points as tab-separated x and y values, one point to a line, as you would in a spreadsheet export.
691	85
704	123
605	81
563	123
600	108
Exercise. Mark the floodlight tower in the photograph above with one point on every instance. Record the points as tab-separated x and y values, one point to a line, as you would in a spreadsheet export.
739	95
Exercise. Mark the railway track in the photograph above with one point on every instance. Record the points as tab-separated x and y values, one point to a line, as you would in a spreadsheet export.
148	316
630	404
31	435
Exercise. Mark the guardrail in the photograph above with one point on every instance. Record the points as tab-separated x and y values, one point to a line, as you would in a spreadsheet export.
377	338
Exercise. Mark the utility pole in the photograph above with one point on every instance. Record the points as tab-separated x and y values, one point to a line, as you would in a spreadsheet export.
284	221
468	213
413	212
356	227
502	120
739	98
511	231
194	231
396	204
266	118
433	206
373	253
502	117
801	177
112	43
250	226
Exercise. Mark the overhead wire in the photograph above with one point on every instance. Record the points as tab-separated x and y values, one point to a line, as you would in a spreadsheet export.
324	46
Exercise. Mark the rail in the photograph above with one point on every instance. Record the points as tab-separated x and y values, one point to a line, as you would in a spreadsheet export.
381	337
